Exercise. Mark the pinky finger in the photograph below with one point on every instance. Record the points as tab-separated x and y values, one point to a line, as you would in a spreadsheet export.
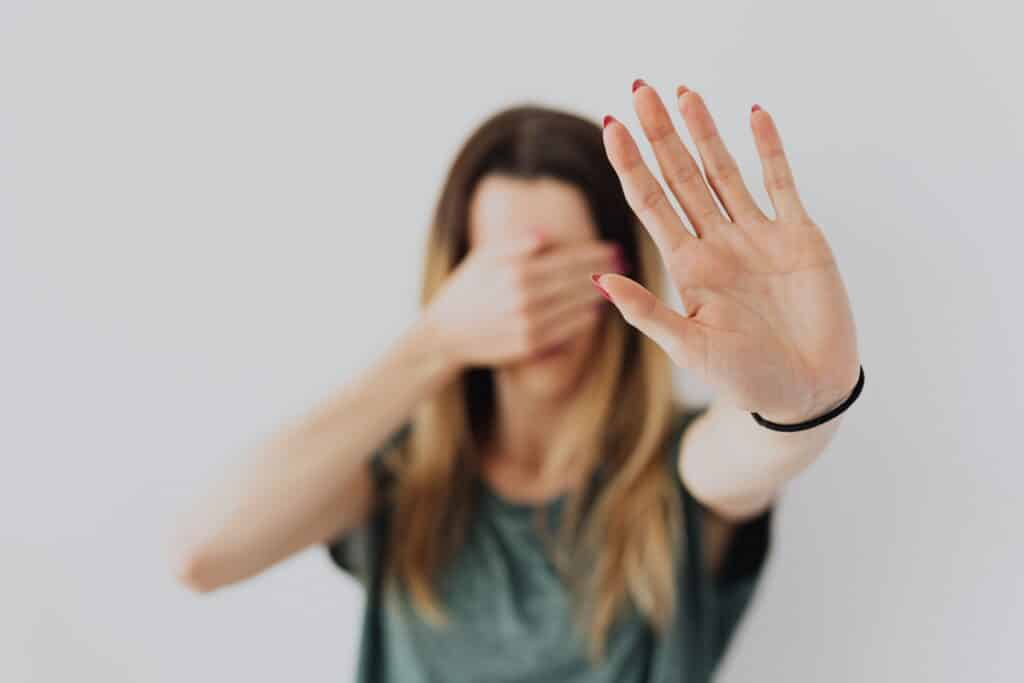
778	178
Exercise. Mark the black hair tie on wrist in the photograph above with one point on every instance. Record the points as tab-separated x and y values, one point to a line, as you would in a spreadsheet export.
817	420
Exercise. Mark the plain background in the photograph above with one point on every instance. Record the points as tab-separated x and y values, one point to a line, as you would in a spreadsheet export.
213	214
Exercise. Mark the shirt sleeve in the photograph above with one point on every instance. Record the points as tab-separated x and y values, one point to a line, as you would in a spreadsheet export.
356	551
728	592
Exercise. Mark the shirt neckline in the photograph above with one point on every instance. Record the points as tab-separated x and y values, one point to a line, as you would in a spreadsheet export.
519	507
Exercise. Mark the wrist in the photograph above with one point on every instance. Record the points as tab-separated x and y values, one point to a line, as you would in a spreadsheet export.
427	337
795	417
818	407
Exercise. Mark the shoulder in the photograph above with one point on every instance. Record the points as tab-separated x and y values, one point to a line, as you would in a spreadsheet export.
730	548
729	552
725	559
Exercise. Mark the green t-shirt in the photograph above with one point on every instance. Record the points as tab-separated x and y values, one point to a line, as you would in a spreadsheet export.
509	613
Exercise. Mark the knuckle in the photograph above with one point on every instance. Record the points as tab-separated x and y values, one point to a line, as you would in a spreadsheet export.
651	199
779	181
809	223
710	215
685	174
725	171
648	307
660	129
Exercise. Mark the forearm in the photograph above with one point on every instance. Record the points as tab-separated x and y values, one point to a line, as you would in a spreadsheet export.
343	430
736	466
310	478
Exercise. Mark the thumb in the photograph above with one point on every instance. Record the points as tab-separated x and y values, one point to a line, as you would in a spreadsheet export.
678	336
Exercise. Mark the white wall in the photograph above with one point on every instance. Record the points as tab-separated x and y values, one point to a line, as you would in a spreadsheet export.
211	214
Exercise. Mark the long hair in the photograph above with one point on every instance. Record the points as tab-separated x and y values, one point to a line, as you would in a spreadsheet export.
616	543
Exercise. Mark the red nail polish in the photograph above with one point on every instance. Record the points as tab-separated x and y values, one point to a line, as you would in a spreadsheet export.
607	119
756	107
638	83
681	90
604	292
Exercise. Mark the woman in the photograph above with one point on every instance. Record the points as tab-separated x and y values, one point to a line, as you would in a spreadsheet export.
512	480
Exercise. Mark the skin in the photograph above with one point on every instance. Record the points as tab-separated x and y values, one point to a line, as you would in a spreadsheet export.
766	323
546	290
522	291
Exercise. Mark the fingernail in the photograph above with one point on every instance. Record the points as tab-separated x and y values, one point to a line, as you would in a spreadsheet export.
756	107
681	90
594	278
638	83
607	119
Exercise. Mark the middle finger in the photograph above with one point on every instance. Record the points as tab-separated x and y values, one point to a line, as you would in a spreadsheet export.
569	260
573	285
642	190
681	172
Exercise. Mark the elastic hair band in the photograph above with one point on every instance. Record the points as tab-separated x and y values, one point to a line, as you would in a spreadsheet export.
817	420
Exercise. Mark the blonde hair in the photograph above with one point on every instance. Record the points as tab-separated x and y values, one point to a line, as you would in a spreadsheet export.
616	544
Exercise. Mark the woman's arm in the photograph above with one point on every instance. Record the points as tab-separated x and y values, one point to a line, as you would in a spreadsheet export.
737	467
767	321
311	480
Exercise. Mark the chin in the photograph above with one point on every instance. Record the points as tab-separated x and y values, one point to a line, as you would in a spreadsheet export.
545	387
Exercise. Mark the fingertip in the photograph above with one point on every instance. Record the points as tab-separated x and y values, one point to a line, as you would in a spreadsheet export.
621	148
680	91
681	100
596	279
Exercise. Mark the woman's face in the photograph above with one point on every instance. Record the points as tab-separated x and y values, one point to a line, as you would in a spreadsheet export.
504	208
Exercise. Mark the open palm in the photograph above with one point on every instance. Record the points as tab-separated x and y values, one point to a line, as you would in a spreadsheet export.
767	318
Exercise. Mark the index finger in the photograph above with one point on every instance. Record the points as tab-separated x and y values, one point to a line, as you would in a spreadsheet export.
532	241
643	191
573	257
678	167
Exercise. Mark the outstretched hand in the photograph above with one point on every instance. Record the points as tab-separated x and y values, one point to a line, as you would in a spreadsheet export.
767	320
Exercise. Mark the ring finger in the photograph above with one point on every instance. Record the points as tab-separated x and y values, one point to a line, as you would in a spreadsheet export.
722	170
